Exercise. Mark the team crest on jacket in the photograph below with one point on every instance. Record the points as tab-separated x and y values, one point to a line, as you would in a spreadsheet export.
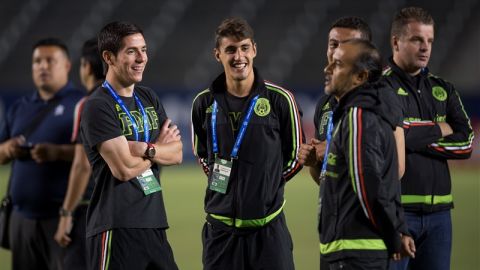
439	93
209	109
262	107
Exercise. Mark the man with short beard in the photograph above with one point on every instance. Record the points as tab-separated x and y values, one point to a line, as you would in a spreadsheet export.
359	223
312	154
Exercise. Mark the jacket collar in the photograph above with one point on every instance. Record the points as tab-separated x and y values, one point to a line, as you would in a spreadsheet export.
218	88
404	75
367	96
61	93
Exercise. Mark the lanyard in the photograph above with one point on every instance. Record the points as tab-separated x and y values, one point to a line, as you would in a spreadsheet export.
241	133
127	112
328	139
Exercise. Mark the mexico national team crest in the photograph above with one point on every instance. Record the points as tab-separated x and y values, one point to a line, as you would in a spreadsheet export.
439	93
262	107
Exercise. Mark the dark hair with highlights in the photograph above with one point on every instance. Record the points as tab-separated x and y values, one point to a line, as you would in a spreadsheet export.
237	28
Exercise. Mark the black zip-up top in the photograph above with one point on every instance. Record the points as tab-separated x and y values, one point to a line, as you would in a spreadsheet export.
360	213
425	100
326	104
267	157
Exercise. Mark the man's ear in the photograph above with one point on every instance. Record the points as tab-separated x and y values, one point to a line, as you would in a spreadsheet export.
88	68
216	53
68	65
254	48
361	78
394	43
108	57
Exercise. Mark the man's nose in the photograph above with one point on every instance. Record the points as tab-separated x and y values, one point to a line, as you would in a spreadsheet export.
142	57
238	54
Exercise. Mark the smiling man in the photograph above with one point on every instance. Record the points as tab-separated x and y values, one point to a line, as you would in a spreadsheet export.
246	135
126	135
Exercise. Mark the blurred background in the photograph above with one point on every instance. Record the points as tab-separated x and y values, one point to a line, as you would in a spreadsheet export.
291	40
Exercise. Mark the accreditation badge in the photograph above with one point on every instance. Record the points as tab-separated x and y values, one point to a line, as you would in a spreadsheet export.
221	175
149	182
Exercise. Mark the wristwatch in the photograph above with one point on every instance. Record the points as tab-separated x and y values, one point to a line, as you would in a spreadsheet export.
64	212
150	152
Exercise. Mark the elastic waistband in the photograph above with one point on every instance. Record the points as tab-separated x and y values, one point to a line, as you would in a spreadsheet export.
352	244
427	199
248	223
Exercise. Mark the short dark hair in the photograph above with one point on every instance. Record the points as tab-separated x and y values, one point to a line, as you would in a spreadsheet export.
233	27
408	15
51	41
369	59
91	54
111	36
354	23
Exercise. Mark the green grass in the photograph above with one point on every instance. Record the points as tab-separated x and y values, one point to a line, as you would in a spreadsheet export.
184	188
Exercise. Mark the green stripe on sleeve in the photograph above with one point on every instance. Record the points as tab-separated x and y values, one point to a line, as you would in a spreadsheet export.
292	120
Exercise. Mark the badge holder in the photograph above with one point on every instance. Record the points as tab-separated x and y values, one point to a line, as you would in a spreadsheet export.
221	175
149	182
222	167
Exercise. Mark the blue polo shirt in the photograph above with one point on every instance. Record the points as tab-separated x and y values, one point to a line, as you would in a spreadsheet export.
38	190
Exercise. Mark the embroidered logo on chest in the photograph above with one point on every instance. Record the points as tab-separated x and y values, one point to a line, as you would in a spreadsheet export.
439	93
402	92
59	110
262	107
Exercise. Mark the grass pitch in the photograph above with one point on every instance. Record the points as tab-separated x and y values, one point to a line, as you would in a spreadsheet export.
184	187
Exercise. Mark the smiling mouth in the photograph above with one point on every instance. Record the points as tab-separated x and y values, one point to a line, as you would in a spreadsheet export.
137	69
239	65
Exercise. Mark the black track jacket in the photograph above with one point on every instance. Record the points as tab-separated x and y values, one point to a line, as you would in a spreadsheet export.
426	185
360	215
267	157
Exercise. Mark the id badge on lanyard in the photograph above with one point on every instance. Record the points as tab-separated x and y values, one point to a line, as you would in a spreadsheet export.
323	173
221	175
222	168
147	179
